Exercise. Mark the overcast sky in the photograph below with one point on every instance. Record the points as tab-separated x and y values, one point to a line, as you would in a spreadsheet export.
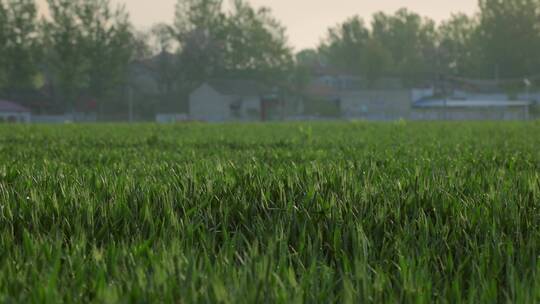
307	20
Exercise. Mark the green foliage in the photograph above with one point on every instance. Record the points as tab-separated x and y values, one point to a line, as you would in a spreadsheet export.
89	48
502	40
192	15
376	61
318	213
106	45
3	43
458	46
305	60
411	43
241	43
20	45
256	44
510	37
199	28
401	45
345	45
65	60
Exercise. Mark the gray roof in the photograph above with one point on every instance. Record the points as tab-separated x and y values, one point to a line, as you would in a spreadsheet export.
453	103
238	87
9	106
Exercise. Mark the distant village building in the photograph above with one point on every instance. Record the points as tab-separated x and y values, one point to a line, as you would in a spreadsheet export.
476	109
234	100
335	94
358	102
376	104
478	99
13	112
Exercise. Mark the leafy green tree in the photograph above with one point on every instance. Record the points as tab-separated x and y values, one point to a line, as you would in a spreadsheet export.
346	44
107	44
163	38
309	57
142	47
244	42
21	45
401	45
90	46
192	15
305	62
411	43
166	66
510	37
375	61
459	52
256	44
66	64
3	43
199	29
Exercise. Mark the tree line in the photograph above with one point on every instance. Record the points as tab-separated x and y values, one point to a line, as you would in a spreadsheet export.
85	48
501	41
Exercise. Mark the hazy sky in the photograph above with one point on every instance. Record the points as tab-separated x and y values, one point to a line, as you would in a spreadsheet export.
308	20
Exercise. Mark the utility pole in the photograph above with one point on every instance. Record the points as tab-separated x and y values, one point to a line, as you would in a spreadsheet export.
527	83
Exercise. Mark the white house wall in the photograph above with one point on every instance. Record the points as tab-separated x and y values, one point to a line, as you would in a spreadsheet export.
206	104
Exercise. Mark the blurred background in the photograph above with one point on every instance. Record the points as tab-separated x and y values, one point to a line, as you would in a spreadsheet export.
218	61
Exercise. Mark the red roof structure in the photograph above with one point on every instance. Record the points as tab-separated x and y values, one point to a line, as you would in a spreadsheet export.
9	106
